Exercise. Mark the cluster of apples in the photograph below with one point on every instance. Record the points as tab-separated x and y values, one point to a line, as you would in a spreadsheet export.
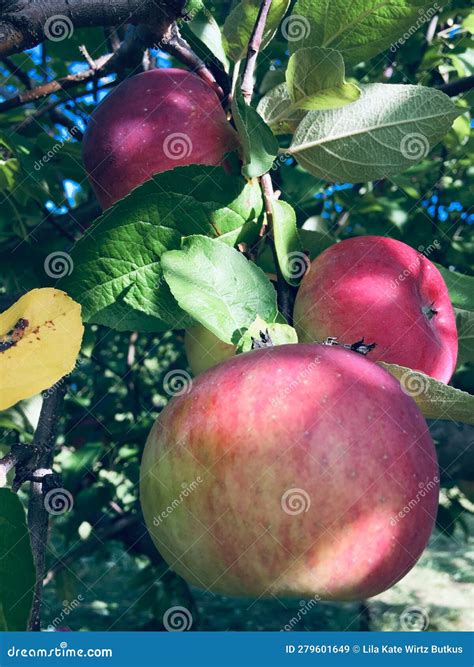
295	470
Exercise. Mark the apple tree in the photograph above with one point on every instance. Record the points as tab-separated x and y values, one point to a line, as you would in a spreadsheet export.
181	185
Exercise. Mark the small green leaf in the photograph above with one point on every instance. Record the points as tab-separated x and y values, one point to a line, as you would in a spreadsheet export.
287	242
205	27
359	29
314	242
278	112
465	327
435	399
280	334
17	571
218	287
460	287
240	23
259	144
316	80
390	128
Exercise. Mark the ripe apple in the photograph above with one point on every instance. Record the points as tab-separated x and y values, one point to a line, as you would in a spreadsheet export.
153	122
204	349
386	292
297	470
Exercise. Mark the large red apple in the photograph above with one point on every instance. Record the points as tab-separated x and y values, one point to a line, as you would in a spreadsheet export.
298	470
153	122
386	292
204	349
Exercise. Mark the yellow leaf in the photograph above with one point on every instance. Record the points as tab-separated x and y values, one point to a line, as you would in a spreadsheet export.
40	339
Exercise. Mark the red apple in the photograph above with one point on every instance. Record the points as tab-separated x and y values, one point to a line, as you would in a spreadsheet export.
386	292
297	470
204	349
153	122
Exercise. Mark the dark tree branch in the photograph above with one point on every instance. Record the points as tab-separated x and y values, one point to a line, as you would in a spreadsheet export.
18	72
44	440
25	24
457	87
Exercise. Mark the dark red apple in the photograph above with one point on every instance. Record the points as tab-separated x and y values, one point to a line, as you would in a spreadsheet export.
153	122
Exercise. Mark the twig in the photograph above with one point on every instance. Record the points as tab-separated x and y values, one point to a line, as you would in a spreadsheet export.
44	439
457	87
18	72
178	47
253	50
284	294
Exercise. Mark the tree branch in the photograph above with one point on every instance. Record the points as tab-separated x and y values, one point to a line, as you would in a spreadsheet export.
457	87
25	24
253	50
44	440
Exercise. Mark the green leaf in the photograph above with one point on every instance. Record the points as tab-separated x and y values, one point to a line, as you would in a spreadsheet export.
278	112
314	242
460	287
218	287
465	327
280	334
316	80
435	399
240	23
205	27
287	242
259	144
359	29
17	571
390	128
117	274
